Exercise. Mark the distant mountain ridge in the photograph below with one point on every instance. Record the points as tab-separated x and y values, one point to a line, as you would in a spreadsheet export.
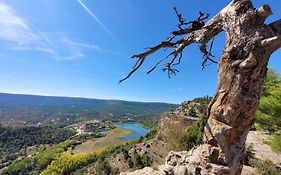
36	108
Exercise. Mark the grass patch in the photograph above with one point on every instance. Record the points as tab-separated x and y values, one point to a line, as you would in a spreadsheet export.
265	167
111	139
180	138
275	143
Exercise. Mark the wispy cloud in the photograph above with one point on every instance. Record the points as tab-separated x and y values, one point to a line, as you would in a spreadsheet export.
17	34
95	18
13	28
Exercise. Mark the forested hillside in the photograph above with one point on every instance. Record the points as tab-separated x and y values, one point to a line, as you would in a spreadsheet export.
15	141
33	109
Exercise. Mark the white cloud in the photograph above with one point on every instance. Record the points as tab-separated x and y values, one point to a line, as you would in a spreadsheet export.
18	35
13	28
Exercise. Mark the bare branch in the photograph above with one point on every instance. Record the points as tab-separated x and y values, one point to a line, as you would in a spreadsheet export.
273	42
196	31
263	13
193	25
207	54
134	69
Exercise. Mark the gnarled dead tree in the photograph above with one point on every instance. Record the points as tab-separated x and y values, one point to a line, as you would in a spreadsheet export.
241	73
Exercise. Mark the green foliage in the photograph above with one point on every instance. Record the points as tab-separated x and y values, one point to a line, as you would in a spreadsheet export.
194	134
275	143
199	108
192	112
136	161
202	100
174	137
146	160
67	163
150	124
179	137
38	162
102	167
271	81
136	158
268	115
130	163
14	139
151	133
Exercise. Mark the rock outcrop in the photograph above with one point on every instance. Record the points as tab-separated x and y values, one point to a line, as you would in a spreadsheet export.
157	148
178	163
261	150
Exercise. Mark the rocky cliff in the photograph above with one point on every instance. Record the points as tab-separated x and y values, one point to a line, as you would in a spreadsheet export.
171	130
178	162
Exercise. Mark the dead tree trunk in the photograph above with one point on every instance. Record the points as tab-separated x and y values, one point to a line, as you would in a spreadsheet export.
242	70
241	74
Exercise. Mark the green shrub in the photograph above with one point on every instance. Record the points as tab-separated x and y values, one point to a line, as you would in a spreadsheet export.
102	167
146	160
174	137
192	112
137	161
151	133
194	134
130	163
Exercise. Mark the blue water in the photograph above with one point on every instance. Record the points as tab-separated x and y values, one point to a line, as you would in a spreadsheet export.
137	129
103	132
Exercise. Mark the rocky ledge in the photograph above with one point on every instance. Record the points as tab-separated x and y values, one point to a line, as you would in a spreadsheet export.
188	162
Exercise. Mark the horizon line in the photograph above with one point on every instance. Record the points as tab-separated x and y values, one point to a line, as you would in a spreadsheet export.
89	98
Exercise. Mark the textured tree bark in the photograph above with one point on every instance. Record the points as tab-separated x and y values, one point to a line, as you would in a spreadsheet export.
241	73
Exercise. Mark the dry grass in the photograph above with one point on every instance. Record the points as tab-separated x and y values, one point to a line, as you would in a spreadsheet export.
111	139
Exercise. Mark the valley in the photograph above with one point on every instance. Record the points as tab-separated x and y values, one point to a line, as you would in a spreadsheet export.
35	130
85	139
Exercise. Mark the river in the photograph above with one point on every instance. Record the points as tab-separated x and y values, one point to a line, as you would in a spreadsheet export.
137	129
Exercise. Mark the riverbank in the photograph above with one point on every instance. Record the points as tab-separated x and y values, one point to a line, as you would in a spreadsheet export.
112	138
122	133
137	128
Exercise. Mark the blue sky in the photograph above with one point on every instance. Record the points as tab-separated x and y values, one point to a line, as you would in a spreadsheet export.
81	48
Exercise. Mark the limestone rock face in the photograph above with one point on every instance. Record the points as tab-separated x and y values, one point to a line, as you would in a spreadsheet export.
261	150
144	171
180	163
247	170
